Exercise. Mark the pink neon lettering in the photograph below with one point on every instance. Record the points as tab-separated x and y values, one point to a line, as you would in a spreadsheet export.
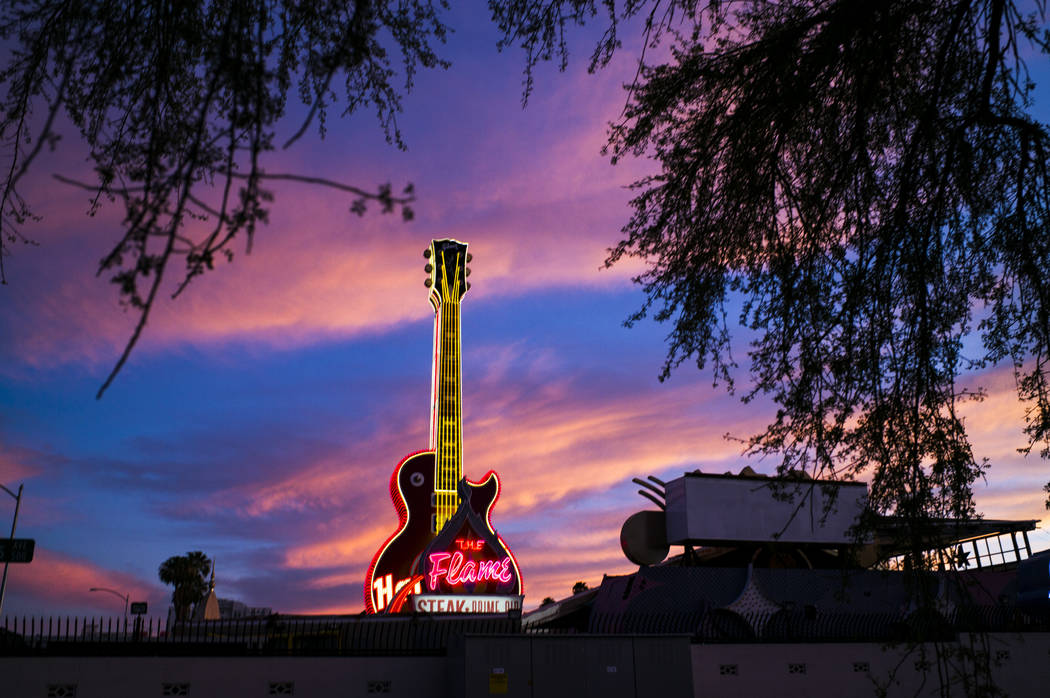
453	568
486	569
505	575
456	570
436	571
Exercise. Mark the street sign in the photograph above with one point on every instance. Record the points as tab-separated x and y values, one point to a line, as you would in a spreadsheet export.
138	608
17	549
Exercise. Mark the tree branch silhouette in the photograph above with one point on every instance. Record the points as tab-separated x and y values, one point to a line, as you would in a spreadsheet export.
180	104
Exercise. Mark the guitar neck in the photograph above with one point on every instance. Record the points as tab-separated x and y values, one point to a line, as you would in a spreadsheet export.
446	435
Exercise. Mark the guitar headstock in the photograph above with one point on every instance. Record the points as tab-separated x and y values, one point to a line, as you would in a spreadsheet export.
447	270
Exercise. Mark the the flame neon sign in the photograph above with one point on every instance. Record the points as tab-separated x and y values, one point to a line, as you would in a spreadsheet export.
457	570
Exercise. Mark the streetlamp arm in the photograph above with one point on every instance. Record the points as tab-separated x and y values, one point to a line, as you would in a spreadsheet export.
124	597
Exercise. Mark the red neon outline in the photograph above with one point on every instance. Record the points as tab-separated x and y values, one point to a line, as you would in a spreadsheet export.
488	522
499	487
514	561
402	595
434	373
401	506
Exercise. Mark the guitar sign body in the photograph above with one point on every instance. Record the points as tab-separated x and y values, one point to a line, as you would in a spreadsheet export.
412	491
426	486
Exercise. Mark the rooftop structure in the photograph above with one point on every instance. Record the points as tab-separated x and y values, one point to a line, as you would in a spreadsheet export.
802	522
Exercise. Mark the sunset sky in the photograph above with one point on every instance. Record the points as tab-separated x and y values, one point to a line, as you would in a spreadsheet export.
262	414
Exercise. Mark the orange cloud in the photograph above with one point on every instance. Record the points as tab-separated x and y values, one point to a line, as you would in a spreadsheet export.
553	450
1013	489
552	447
547	446
354	548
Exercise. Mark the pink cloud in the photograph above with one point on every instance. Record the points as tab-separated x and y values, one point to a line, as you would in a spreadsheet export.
15	465
552	449
552	445
543	219
304	283
1013	489
55	580
547	445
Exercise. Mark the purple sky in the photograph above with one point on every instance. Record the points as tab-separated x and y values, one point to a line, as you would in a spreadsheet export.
261	416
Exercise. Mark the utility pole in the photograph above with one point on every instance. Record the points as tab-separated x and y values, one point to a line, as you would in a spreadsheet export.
14	522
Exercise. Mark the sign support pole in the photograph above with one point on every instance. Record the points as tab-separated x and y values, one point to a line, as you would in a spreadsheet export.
14	522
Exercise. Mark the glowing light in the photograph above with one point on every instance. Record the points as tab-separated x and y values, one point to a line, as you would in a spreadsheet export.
460	603
385	589
457	570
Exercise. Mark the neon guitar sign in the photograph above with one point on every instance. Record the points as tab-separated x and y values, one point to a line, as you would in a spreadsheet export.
438	509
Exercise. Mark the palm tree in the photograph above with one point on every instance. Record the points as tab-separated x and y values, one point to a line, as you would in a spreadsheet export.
188	574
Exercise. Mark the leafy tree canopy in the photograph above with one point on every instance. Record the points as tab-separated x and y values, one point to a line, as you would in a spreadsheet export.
863	187
189	575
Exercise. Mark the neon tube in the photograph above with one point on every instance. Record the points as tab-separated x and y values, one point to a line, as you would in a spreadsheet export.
458	571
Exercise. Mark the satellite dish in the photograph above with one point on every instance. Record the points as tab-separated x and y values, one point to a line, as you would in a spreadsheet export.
644	537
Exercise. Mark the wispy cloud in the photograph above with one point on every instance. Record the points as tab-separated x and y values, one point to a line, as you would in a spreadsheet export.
549	210
54	580
18	463
278	467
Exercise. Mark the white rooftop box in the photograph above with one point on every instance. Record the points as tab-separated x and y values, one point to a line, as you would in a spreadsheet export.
705	509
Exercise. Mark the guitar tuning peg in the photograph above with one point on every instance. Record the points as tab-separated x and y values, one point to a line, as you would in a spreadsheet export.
427	283
428	268
426	253
468	285
468	271
469	257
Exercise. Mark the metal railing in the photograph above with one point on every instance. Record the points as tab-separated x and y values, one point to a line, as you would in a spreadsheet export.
420	635
273	635
808	624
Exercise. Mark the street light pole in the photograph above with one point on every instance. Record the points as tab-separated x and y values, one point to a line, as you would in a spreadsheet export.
11	544
116	593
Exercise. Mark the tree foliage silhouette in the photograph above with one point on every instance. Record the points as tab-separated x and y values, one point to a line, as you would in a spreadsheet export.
189	575
178	103
863	188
